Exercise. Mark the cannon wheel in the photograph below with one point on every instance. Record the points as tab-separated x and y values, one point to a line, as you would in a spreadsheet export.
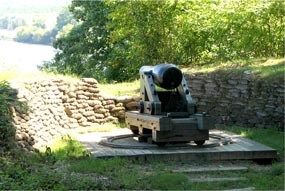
200	142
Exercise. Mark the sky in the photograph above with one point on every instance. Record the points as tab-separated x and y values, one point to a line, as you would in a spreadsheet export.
16	3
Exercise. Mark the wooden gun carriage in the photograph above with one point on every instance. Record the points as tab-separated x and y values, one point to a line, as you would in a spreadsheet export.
167	113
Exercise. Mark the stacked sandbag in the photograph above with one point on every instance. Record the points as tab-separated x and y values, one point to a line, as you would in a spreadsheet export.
57	105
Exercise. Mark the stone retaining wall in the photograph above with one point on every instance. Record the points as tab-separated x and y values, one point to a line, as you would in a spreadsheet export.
242	99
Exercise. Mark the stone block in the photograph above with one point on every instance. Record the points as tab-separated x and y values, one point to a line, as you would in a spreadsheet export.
243	81
241	87
232	82
211	85
261	114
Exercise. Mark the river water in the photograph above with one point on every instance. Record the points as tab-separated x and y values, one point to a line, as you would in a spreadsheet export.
23	57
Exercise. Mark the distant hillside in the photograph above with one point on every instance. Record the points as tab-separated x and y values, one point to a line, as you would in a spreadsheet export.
16	7
22	15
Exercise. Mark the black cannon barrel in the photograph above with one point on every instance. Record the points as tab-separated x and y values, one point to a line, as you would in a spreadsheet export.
167	76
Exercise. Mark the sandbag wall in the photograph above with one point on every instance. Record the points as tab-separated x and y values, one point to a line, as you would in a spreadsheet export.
56	106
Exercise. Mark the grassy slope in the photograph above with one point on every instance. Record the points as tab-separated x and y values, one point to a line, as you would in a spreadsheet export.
118	89
265	68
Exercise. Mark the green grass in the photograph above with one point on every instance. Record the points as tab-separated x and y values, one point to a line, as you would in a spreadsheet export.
116	89
66	148
97	166
264	68
15	75
68	166
119	89
270	137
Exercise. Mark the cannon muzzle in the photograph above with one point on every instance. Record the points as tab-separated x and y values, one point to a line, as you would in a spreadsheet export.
167	76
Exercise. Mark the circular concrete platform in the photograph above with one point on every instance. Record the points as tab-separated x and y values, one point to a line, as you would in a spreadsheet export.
240	149
131	141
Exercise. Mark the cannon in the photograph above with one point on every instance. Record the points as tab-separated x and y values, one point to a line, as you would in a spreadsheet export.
167	112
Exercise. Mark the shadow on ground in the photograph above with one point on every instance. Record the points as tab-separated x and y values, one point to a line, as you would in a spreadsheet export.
9	105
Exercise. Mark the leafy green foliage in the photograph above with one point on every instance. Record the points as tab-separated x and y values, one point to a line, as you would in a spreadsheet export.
114	38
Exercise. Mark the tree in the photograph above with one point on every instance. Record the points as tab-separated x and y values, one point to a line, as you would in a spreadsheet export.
142	33
113	39
84	49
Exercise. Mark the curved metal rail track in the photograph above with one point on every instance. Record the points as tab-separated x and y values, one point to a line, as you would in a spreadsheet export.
111	142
